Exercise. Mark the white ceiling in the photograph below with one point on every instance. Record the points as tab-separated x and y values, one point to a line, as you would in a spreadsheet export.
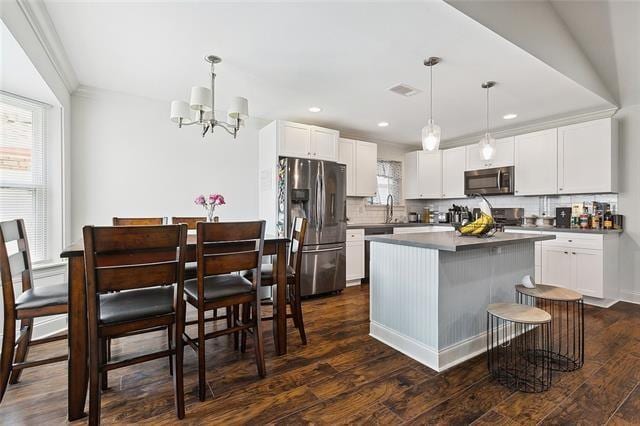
609	34
286	57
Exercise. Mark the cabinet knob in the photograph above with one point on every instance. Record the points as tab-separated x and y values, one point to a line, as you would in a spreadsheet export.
315	153
308	153
573	252
570	241
559	189
566	252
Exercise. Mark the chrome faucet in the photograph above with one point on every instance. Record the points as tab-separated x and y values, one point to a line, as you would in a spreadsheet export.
389	212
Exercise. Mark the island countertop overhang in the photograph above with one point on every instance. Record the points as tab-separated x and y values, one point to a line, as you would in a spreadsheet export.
451	241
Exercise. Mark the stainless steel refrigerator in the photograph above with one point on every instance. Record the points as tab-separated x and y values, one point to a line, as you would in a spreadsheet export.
316	190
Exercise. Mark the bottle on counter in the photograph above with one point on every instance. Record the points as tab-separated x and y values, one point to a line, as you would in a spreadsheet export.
608	220
595	222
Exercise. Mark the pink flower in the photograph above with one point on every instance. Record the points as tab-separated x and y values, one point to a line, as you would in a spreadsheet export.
216	199
200	200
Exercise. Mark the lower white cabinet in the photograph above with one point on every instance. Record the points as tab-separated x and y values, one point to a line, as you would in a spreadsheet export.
586	263
355	254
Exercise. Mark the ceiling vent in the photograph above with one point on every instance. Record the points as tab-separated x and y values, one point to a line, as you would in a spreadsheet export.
404	90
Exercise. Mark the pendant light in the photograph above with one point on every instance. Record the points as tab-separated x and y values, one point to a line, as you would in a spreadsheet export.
431	132
487	144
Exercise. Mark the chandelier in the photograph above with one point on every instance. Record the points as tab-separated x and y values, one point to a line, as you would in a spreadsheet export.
200	110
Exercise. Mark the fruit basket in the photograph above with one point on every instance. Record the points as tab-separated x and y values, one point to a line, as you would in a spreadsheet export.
483	227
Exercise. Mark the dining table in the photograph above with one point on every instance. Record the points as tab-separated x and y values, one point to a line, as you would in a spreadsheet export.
78	374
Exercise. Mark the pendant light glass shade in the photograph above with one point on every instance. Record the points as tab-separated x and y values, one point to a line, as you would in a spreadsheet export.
487	144
487	147
431	136
431	132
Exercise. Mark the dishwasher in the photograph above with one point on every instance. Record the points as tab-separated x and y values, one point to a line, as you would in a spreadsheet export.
378	230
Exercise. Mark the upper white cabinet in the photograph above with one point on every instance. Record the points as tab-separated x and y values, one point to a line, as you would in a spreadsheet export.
504	156
361	159
423	174
305	141
453	166
536	163
587	157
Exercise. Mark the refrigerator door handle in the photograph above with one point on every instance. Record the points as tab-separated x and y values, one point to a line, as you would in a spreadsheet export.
323	250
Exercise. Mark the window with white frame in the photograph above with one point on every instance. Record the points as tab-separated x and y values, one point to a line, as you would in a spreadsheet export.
23	186
389	179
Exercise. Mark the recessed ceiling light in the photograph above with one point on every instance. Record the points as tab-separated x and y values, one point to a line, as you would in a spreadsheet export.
509	116
383	124
315	109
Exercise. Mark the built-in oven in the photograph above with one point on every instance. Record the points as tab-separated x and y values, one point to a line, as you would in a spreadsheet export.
499	180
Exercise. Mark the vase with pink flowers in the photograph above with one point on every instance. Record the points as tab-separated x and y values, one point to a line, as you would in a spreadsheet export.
209	204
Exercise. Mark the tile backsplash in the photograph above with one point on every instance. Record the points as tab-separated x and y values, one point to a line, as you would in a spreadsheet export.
534	205
360	211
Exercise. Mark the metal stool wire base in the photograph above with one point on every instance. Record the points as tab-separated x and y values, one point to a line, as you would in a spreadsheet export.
517	354
567	340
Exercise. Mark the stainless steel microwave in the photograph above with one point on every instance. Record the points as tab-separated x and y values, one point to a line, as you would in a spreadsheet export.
499	180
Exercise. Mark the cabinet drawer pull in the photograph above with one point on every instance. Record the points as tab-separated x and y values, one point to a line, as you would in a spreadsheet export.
566	252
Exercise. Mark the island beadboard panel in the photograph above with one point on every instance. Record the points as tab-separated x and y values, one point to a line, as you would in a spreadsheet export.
428	307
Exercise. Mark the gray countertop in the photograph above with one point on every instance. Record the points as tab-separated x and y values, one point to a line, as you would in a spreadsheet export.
450	241
523	228
571	230
392	225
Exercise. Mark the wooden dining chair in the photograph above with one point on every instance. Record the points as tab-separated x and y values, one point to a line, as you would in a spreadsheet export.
191	268
15	261
294	263
222	250
190	221
138	221
135	285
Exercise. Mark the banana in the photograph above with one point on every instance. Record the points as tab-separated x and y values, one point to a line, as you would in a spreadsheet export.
482	225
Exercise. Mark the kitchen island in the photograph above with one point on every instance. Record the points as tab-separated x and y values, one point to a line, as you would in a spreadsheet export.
429	291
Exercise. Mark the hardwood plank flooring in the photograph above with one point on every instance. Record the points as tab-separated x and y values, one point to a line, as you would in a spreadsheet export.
343	376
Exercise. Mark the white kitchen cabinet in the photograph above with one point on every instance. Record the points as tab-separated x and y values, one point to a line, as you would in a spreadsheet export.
366	168
557	267
347	156
361	159
588	271
423	175
504	155
453	167
355	255
587	157
324	143
305	141
536	167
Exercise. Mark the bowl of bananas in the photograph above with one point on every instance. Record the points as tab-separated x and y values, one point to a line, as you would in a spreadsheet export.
484	226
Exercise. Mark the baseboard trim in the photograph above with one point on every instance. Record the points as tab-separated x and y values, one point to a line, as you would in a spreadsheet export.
48	326
405	344
630	296
601	303
438	360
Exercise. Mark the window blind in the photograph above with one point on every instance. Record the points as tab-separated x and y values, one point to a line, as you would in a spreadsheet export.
23	185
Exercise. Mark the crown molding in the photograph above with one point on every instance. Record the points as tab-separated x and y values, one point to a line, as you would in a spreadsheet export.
36	13
532	126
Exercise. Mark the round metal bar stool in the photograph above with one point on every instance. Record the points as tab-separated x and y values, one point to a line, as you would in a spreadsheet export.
518	340
567	316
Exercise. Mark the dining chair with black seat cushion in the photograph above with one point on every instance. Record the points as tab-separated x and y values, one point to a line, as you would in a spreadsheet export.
294	263
33	302
191	268
135	285
223	250
138	221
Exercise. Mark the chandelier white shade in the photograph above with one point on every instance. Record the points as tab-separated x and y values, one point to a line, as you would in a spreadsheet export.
487	143
430	136
201	108
180	110
200	98
239	108
431	132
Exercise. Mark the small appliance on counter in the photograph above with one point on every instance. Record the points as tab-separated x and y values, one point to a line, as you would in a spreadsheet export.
563	217
412	217
508	216
444	217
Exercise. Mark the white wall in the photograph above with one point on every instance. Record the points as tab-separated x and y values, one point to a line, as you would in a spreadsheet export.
129	159
629	199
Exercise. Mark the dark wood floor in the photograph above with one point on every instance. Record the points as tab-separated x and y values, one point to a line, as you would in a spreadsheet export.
345	376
